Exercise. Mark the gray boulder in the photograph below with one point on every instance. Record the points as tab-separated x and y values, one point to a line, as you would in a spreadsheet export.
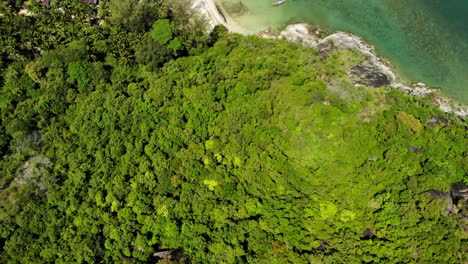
300	33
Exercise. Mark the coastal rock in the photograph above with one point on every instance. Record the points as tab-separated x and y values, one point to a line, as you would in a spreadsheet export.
376	72
300	33
373	72
367	74
416	89
267	35
344	40
445	104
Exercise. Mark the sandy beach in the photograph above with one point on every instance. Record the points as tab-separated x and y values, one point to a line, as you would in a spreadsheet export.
215	15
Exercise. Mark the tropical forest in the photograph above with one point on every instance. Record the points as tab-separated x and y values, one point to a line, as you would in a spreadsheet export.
133	132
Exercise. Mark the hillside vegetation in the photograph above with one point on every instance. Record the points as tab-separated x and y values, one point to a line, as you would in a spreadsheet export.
123	138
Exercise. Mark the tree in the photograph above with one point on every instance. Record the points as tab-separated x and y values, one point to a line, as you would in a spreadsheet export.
137	16
162	31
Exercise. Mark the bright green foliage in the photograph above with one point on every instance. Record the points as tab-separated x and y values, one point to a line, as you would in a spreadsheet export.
211	184
175	45
251	151
162	31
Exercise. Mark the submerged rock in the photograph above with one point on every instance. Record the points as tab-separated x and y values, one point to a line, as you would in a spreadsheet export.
235	9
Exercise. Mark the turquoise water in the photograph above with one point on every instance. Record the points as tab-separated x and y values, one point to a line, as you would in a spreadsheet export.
427	40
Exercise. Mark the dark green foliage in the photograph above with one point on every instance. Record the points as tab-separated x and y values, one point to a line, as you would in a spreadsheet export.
80	71
136	15
218	31
251	151
175	46
150	52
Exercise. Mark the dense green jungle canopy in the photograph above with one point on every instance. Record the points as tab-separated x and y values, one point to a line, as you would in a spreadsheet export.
128	134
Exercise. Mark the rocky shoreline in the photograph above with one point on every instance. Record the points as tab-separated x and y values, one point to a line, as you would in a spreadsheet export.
375	71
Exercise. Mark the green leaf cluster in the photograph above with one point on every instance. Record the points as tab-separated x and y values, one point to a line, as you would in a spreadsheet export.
249	151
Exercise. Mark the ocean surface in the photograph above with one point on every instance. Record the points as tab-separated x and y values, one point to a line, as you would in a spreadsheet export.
427	40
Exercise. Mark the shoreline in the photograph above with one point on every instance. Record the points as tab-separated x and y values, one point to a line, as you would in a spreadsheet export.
312	36
215	14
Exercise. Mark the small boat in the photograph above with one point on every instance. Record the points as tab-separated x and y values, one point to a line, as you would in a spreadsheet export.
279	2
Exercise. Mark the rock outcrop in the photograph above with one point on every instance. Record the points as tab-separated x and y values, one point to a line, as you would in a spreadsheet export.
445	104
374	66
374	71
435	120
457	198
300	33
32	172
366	74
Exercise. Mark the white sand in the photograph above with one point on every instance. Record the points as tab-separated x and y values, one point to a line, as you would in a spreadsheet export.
210	11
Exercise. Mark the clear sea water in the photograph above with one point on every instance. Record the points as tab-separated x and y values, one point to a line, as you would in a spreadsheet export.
427	40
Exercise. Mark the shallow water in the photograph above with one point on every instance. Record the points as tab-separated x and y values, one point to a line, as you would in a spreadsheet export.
427	40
